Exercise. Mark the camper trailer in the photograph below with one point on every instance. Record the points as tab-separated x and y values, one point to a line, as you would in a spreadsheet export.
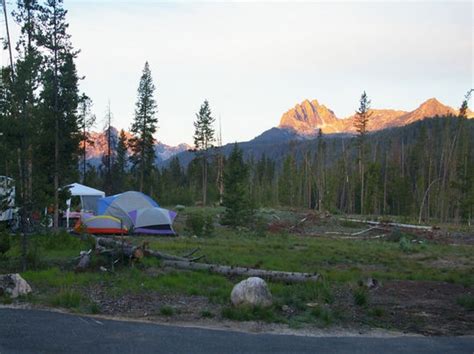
8	212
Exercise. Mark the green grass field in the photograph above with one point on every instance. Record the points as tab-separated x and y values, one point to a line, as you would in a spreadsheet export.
342	264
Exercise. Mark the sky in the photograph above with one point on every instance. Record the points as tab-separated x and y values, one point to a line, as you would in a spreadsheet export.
255	60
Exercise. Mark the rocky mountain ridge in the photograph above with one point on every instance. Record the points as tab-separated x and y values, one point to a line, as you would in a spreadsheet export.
308	117
98	146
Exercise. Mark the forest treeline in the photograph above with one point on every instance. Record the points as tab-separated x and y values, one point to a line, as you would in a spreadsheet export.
424	170
426	166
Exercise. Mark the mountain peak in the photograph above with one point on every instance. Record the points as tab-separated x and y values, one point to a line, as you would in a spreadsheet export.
307	117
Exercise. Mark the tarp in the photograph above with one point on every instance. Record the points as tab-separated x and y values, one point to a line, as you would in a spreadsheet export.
102	224
153	221
120	205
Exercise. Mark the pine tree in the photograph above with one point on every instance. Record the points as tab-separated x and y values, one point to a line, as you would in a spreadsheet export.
86	122
143	128
203	139
360	123
25	97
239	210
108	157
120	164
59	98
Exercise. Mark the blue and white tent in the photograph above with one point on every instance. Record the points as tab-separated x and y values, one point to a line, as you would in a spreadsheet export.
120	205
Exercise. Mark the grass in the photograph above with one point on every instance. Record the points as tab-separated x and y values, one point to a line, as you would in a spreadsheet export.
361	296
337	260
341	263
255	313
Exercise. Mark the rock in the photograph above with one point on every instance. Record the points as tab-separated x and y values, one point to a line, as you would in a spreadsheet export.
371	283
252	291
13	285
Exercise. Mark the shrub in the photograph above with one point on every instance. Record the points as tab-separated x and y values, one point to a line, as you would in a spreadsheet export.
466	301
207	314
361	296
323	313
200	224
5	242
405	244
167	311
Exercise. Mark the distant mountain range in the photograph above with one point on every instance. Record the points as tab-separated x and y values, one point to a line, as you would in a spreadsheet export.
308	117
96	150
302	122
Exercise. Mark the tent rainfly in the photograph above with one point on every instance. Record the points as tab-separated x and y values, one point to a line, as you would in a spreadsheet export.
153	221
120	205
102	224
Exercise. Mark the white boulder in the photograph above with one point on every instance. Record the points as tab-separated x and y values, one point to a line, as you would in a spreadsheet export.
251	292
13	285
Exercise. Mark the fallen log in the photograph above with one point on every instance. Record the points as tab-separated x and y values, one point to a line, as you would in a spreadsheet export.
393	224
119	248
288	277
164	256
129	249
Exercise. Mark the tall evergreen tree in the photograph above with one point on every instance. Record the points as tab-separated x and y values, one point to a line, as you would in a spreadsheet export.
203	141
360	123
239	210
108	157
120	164
86	122
59	98
144	126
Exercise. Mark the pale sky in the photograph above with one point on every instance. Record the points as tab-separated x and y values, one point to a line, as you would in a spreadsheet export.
255	60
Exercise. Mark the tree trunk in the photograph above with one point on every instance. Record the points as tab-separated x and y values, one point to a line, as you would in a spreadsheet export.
287	277
204	179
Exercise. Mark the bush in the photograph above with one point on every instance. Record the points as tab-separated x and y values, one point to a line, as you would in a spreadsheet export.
5	242
466	301
207	314
405	244
323	313
361	296
167	311
200	224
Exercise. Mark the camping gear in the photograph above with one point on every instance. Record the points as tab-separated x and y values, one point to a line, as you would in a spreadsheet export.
89	197
152	221
102	224
120	205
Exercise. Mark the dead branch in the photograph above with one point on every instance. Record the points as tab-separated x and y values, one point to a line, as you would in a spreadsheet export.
288	277
189	254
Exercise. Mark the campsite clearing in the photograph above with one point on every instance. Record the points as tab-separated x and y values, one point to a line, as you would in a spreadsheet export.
425	281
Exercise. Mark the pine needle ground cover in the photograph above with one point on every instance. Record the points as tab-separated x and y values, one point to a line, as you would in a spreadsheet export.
425	287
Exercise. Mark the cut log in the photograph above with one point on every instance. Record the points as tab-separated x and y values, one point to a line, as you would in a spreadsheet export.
287	277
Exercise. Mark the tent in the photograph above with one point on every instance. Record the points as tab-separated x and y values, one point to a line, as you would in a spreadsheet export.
102	224
153	221
89	197
120	205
